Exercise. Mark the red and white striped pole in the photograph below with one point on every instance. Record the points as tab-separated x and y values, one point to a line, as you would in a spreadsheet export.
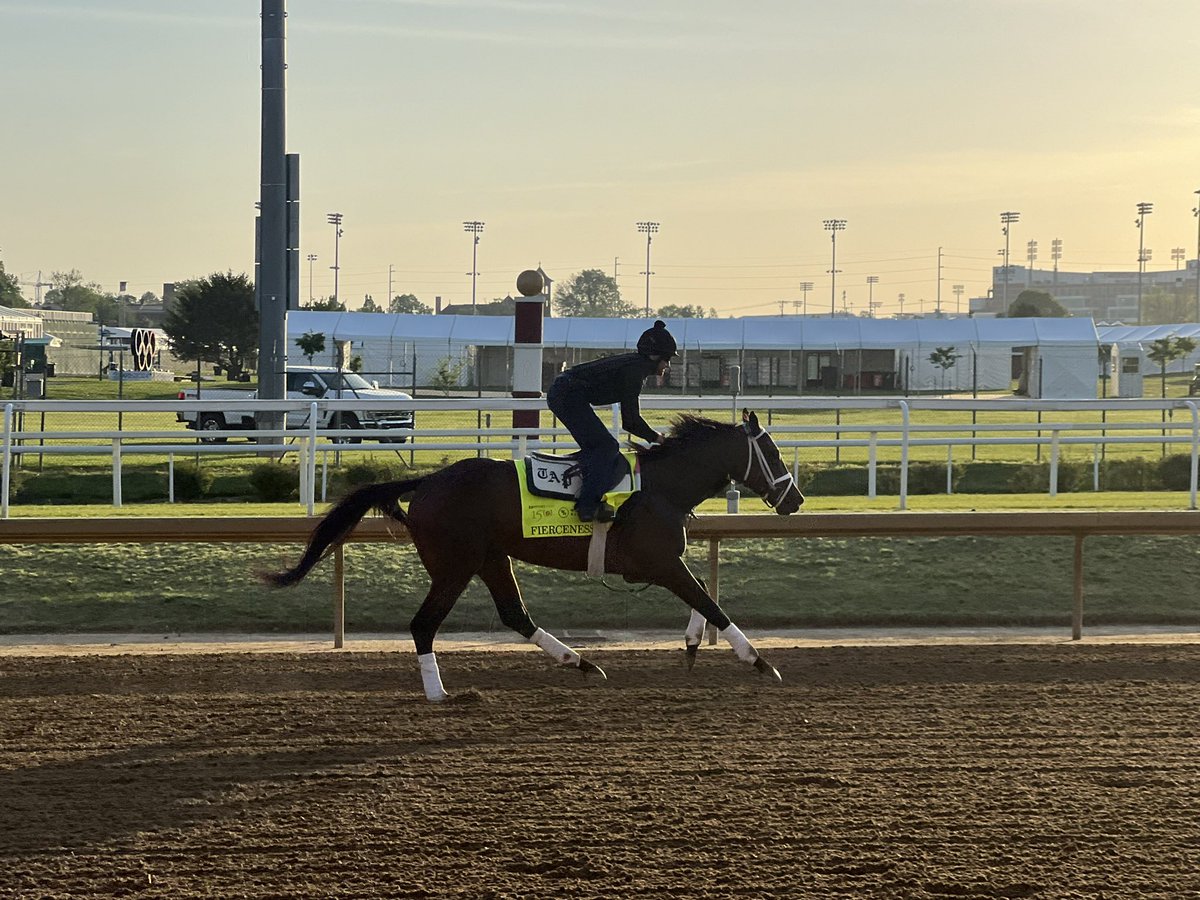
527	345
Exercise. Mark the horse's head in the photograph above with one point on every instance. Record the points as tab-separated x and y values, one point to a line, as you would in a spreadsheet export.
766	474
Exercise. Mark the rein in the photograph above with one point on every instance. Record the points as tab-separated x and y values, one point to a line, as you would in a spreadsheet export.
756	454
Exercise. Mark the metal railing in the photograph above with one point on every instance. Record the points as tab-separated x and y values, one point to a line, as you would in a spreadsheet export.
1152	424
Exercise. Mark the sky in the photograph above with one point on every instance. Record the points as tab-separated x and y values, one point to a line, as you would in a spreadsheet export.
132	143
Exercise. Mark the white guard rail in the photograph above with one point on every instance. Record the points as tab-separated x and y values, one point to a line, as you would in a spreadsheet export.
1152	427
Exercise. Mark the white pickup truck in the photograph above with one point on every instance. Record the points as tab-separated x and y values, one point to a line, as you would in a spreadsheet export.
305	382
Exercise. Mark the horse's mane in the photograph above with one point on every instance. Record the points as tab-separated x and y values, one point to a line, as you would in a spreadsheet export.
686	431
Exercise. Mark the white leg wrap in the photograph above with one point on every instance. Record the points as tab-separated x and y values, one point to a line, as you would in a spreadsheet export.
742	647
555	648
695	629
431	677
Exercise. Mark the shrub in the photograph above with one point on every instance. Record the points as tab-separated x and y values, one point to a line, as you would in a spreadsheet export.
367	472
1175	472
1029	478
986	478
840	481
1128	475
925	478
274	483
192	482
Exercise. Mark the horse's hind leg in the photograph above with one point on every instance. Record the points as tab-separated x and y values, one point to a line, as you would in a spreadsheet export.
497	574
444	591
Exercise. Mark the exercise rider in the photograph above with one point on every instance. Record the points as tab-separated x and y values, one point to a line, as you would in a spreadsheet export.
602	382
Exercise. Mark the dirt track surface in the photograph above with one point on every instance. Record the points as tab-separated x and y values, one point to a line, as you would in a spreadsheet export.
913	772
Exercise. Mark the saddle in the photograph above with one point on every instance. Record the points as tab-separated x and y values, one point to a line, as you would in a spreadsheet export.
559	476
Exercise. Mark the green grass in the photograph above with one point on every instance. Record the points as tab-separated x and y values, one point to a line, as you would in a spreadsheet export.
764	583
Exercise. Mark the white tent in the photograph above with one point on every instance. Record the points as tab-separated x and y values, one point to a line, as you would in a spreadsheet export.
1060	354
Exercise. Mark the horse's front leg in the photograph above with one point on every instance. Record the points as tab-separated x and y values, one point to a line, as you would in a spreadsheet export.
497	574
679	580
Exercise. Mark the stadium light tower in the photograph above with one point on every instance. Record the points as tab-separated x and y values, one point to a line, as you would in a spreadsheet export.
1007	219
1177	256
958	292
1056	255
1144	209
312	258
1031	249
335	219
649	229
475	229
833	226
872	280
806	286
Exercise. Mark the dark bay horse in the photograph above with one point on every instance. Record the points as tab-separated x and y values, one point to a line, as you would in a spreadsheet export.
465	520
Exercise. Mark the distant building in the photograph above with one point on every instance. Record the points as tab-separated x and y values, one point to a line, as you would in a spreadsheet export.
1104	296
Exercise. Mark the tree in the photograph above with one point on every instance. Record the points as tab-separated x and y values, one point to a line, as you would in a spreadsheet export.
68	291
325	304
672	311
446	375
1166	350
370	306
1036	305
1162	307
592	293
944	358
214	320
311	343
10	291
408	303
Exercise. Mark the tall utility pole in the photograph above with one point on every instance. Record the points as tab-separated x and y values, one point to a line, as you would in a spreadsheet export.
1056	255
391	269
958	292
1007	219
901	299
335	219
939	282
649	229
1195	212
1144	209
273	289
475	229
833	226
1032	254
806	286
872	280
312	258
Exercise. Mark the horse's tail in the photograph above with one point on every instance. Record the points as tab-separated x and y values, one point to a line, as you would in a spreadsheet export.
332	530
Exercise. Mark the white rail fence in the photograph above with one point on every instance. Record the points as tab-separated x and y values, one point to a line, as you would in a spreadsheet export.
1153	424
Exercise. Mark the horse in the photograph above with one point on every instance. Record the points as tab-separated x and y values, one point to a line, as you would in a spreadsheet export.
465	520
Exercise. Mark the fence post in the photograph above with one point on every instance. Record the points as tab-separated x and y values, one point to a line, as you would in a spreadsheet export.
302	468
872	454
6	463
170	477
904	454
1191	405
310	460
116	463
1096	467
1054	463
949	468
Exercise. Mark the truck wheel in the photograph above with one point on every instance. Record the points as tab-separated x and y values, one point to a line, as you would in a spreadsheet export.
349	420
211	422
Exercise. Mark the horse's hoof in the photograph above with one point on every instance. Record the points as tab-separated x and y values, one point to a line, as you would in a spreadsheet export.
590	668
765	668
691	654
438	698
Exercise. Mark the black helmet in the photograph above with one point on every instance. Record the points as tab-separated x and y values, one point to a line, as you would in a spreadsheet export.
657	341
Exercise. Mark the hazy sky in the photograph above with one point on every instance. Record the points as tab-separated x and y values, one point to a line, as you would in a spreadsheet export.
132	140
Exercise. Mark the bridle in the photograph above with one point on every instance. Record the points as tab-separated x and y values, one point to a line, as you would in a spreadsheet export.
784	482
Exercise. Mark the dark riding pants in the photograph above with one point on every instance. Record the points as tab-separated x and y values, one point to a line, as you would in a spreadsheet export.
599	451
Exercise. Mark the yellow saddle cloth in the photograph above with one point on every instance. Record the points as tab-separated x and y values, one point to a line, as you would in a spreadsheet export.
548	491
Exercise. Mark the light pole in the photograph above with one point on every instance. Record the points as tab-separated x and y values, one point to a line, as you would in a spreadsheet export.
1007	219
312	258
1196	213
1056	255
474	228
1177	256
649	229
1144	209
1031	252
901	299
872	280
806	286
833	226
958	292
335	219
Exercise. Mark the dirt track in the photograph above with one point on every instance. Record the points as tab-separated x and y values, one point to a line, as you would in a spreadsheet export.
914	772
